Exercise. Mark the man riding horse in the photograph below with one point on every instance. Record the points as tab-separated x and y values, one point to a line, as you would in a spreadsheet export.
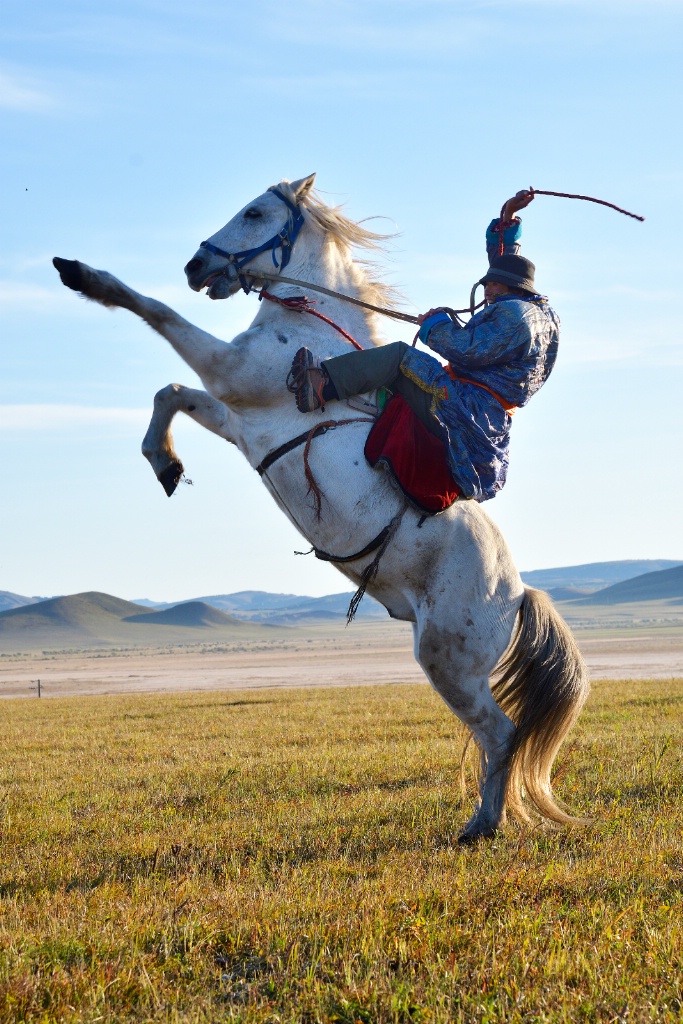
495	363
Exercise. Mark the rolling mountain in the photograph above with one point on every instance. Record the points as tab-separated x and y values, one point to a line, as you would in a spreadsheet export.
193	614
9	600
284	609
94	619
585	579
665	585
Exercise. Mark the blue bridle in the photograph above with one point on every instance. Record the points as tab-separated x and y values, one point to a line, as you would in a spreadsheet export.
284	241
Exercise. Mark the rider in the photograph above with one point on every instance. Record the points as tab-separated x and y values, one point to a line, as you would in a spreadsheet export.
496	362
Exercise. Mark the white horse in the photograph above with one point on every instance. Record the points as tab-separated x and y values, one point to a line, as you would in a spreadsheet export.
450	575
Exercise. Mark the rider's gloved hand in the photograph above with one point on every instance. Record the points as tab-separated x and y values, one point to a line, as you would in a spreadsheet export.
421	317
429	320
518	202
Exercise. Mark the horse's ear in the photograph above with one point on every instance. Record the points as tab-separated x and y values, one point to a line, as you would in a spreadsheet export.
302	187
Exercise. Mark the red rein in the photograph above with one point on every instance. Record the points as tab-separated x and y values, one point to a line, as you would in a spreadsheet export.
562	195
302	304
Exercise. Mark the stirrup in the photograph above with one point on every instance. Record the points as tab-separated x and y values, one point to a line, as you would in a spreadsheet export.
308	396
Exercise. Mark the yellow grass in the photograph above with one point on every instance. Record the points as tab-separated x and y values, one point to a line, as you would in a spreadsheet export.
290	856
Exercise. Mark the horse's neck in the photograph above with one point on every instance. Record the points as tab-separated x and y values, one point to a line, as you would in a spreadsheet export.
326	265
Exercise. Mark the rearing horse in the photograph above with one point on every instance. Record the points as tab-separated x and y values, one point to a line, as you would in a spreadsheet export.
453	578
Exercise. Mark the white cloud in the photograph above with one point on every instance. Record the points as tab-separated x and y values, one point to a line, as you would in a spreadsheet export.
18	92
18	293
52	417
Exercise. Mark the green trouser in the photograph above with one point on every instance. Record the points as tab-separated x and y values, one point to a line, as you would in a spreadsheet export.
359	372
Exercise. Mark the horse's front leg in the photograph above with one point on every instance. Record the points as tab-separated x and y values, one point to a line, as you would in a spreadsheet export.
157	445
208	356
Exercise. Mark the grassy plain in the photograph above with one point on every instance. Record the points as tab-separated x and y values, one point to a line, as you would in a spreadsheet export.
290	856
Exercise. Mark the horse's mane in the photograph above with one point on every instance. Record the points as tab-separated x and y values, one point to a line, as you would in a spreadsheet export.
349	234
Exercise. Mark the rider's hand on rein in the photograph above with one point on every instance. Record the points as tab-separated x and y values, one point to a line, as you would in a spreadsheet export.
421	317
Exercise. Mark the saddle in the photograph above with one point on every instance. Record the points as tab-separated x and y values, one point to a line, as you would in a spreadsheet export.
416	459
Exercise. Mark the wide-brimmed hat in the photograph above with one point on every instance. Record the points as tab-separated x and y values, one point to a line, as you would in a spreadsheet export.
514	271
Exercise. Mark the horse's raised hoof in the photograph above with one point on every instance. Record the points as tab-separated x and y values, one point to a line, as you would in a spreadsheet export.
70	273
169	478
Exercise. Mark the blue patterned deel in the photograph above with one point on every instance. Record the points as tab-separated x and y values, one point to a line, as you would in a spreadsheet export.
506	352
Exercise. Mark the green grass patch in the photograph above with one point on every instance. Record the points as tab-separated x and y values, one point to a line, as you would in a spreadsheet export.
291	856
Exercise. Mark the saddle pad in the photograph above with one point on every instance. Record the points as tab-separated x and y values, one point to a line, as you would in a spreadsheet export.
416	458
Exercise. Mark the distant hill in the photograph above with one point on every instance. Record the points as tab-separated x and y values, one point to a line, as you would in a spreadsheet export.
94	619
100	619
284	609
193	614
9	600
80	612
254	600
242	601
665	585
594	575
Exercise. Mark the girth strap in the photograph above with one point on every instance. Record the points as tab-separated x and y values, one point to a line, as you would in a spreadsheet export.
325	556
289	446
378	543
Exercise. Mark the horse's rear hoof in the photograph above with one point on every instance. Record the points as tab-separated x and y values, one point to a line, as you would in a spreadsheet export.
169	478
69	272
470	837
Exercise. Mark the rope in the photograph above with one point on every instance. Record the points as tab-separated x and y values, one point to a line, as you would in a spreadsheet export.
370	572
302	304
378	543
393	313
322	428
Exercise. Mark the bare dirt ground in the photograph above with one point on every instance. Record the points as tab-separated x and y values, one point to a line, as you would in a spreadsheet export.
364	654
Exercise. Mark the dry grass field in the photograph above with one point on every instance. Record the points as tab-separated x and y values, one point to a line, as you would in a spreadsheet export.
290	856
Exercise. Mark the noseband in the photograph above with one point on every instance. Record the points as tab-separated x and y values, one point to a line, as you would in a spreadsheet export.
284	241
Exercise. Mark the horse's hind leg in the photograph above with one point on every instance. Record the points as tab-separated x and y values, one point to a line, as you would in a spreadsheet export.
157	446
457	677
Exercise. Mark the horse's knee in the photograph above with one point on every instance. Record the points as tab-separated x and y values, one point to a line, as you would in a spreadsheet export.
165	394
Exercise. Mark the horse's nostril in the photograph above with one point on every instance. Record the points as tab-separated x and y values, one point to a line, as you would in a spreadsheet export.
193	265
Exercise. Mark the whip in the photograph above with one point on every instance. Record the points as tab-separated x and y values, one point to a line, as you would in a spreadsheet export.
562	195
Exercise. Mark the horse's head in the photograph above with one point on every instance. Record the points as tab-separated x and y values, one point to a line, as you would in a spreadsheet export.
260	237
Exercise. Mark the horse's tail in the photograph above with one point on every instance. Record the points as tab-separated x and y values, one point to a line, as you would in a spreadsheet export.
541	684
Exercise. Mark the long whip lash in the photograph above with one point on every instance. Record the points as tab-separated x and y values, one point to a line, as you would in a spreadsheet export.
394	313
562	195
589	199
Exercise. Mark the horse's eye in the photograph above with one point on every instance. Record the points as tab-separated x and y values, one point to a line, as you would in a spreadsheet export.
252	213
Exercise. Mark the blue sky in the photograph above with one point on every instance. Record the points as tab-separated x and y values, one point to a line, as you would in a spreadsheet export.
133	131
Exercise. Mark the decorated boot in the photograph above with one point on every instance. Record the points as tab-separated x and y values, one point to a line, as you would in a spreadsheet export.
306	381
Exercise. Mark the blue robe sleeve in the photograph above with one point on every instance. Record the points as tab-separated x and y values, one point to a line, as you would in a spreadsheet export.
492	336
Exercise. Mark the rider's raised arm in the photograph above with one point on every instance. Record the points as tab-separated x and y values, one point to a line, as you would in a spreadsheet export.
452	341
512	232
512	226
